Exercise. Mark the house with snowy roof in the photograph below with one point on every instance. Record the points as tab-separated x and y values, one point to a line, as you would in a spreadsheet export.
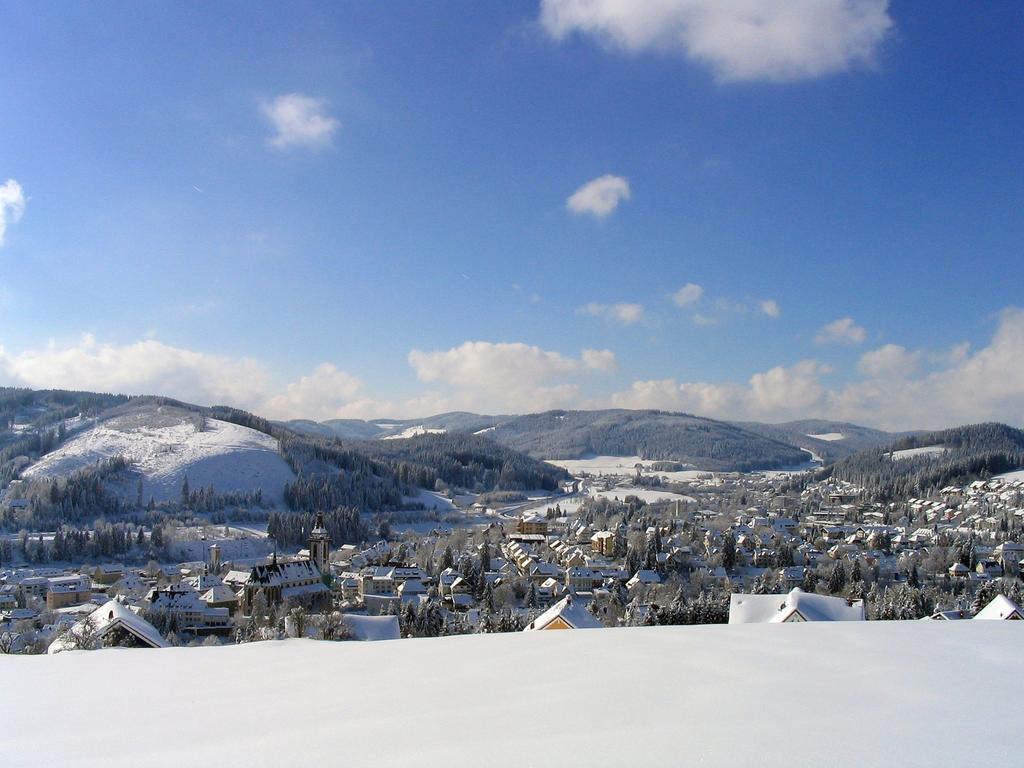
187	607
1001	608
797	606
567	613
68	590
280	581
112	625
643	578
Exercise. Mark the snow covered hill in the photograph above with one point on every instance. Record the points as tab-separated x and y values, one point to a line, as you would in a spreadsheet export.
165	444
846	694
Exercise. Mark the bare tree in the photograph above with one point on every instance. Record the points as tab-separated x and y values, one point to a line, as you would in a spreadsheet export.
333	627
83	636
8	639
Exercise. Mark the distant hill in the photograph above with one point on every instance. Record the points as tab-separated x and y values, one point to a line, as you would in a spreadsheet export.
77	456
704	443
165	444
828	440
926	462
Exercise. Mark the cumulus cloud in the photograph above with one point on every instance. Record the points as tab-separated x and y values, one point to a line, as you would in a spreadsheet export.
508	376
895	391
777	394
739	40
841	331
770	308
599	359
299	121
326	393
624	313
144	367
600	196
688	295
889	361
12	205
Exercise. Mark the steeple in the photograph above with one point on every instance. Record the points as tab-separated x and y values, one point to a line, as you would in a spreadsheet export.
320	545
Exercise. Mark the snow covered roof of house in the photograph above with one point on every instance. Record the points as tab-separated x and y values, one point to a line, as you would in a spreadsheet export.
371	627
112	615
796	606
570	612
219	594
1001	607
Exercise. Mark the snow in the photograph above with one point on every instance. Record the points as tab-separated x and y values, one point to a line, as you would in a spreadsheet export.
168	447
908	453
704	695
600	465
372	627
829	436
1011	476
647	494
431	500
774	609
624	466
484	431
419	429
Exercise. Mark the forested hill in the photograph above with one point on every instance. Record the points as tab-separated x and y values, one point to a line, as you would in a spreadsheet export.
77	456
924	463
828	440
704	443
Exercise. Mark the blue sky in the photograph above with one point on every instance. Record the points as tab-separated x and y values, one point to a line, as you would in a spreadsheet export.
368	210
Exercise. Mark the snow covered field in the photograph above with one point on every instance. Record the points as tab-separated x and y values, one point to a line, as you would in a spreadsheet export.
414	432
432	500
166	446
647	494
829	436
845	694
1011	476
600	465
909	453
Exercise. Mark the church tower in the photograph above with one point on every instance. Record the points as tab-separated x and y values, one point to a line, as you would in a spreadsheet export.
320	545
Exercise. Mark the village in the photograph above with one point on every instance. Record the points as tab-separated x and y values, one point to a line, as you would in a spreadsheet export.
624	548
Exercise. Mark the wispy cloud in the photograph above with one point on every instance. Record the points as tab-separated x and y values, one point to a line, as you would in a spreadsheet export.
841	331
625	313
600	196
769	308
12	205
688	295
299	121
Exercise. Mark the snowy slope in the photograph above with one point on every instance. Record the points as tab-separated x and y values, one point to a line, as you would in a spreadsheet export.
846	694
829	437
415	431
910	453
165	444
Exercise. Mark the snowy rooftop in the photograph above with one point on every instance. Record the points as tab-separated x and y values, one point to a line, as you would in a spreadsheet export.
775	609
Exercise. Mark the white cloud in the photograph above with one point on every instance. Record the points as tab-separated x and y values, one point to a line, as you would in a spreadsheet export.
770	308
299	121
893	393
624	313
144	367
740	40
599	359
12	205
600	196
326	393
688	295
504	377
777	394
892	360
841	331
